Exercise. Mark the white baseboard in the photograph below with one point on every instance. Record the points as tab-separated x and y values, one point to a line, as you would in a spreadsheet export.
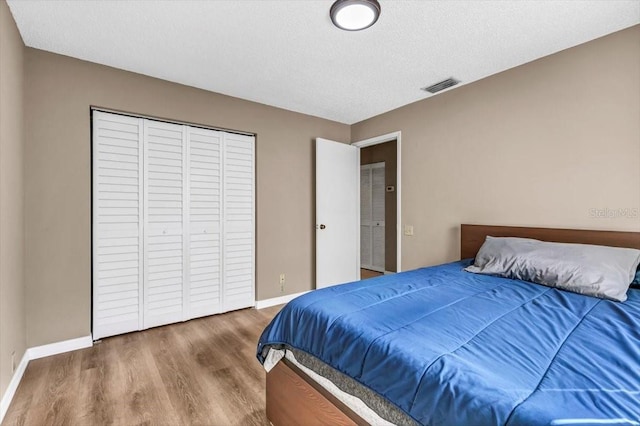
60	347
261	304
389	273
35	353
13	385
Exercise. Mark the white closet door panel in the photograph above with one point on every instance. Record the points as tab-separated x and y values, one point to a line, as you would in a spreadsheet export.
110	158
113	259
365	217
120	295
167	283
378	215
117	224
365	194
119	196
205	217
117	288
377	262
238	243
120	149
172	285
204	277
115	203
113	325
377	193
164	236
365	246
166	295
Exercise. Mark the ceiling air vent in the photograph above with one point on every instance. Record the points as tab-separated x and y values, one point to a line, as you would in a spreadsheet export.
445	84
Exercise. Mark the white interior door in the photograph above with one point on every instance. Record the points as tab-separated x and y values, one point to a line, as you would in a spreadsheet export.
337	213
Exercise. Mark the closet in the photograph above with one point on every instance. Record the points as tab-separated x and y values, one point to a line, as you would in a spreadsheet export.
372	216
173	222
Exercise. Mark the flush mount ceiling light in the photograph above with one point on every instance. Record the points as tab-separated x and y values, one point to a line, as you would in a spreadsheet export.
354	15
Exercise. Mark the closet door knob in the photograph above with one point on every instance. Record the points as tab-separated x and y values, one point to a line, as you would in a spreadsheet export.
322	226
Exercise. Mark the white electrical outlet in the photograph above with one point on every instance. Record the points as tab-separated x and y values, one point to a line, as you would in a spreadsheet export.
408	230
282	279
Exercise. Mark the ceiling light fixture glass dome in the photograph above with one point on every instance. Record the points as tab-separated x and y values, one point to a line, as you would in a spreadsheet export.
354	15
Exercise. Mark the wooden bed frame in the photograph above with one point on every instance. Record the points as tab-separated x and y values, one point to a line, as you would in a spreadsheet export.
293	398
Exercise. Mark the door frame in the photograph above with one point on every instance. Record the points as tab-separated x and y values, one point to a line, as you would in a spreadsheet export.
389	137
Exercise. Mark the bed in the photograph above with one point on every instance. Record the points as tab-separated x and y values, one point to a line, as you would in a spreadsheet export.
440	345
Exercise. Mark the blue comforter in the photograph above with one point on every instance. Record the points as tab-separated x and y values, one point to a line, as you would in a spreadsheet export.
449	347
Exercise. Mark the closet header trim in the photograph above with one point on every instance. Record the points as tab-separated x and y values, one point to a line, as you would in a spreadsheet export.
171	121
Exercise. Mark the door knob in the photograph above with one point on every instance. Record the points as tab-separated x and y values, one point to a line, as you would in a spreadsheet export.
322	226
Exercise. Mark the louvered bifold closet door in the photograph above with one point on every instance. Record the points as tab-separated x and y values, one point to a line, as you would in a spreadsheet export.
365	216
173	223
164	275
378	216
117	224
205	217
238	221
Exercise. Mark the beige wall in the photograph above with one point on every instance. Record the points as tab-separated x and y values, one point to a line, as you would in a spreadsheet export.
12	304
58	93
540	144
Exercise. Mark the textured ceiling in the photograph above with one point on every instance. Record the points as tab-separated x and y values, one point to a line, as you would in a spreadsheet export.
288	54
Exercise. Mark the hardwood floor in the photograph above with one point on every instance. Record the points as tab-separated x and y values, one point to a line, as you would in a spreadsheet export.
368	273
201	372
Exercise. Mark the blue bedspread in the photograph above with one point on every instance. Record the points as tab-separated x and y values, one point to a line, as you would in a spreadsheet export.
449	347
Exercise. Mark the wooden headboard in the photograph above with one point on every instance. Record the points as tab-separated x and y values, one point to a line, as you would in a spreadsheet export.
472	237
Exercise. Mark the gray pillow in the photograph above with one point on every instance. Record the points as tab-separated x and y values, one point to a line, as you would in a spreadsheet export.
599	271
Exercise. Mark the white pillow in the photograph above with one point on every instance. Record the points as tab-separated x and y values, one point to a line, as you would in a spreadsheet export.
599	271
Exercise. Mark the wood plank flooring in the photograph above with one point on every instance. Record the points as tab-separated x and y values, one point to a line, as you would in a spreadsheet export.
368	273
200	372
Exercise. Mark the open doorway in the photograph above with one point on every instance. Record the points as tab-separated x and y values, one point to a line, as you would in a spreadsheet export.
378	216
380	201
